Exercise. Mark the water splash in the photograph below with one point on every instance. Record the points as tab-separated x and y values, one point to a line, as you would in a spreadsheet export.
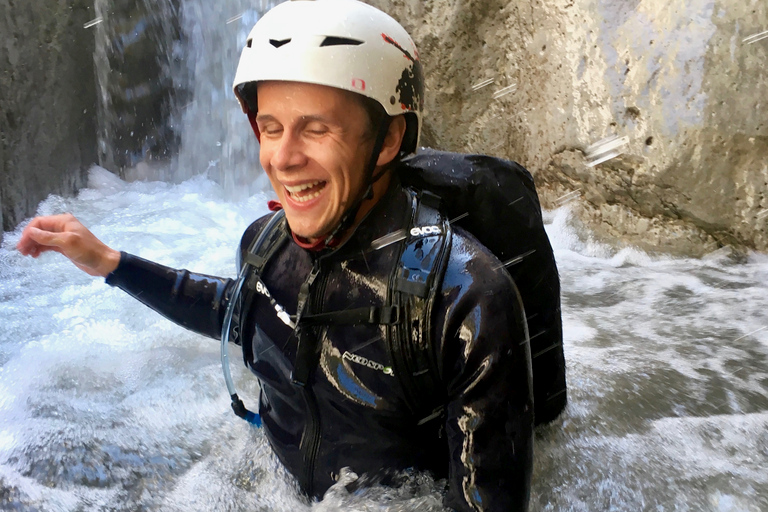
105	405
137	56
217	138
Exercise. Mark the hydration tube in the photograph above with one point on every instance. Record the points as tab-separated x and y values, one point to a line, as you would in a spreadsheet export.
237	404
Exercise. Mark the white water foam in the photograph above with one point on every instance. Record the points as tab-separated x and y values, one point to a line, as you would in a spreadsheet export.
668	374
106	405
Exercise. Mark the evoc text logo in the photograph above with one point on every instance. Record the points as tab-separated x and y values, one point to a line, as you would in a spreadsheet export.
426	231
260	288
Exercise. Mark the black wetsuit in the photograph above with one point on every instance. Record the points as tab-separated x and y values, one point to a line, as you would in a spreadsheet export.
353	414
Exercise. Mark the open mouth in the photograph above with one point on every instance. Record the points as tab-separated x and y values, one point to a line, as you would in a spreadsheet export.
306	192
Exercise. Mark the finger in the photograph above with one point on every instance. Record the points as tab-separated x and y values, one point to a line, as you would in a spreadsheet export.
34	249
26	245
54	223
40	249
47	238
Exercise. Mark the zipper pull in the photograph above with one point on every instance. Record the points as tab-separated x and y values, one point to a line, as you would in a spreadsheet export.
304	290
306	336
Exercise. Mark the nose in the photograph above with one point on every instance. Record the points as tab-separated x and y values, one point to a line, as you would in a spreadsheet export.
288	152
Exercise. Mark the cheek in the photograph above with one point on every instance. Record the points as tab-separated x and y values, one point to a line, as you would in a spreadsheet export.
264	156
264	159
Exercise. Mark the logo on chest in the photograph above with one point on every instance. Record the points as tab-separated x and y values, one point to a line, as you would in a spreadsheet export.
367	362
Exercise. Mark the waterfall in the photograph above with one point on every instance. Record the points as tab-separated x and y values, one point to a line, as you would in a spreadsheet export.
216	136
166	107
106	405
139	48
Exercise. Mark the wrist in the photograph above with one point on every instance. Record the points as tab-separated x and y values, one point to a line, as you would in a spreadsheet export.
111	262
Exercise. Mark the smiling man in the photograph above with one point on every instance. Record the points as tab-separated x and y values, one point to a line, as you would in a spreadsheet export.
316	142
382	337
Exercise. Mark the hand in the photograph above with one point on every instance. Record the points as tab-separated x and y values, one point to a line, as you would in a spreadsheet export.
66	235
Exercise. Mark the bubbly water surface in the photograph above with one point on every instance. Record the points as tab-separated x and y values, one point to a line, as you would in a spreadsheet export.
105	405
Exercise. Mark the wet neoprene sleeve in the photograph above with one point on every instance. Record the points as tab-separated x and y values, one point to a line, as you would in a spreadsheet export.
195	301
489	413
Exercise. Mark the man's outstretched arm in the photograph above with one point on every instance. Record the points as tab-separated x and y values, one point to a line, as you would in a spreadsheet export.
194	301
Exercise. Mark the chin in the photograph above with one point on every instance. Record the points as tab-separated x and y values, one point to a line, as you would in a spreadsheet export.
303	229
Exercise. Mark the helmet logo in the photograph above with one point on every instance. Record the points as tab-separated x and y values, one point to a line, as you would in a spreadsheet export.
411	84
358	83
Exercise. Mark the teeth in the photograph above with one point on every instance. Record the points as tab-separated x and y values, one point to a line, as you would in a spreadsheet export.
299	188
293	191
302	199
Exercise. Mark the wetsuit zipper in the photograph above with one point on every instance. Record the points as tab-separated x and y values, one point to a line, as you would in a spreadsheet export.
310	440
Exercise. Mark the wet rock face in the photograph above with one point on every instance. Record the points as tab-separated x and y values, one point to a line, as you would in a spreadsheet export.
47	102
538	82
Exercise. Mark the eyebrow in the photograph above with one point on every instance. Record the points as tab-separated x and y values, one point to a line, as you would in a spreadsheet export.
305	119
264	117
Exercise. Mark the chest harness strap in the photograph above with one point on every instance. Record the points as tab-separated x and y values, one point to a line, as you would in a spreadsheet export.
413	287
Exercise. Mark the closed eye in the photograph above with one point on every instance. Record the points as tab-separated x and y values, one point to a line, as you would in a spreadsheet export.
316	129
271	129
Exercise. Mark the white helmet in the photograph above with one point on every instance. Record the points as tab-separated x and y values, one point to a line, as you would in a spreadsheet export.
344	44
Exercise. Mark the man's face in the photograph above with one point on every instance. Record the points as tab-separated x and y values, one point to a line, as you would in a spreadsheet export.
314	148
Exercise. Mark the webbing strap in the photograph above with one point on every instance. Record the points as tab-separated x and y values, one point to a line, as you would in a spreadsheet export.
231	330
414	284
262	248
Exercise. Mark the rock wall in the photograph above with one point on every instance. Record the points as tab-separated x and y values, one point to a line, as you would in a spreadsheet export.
47	102
539	81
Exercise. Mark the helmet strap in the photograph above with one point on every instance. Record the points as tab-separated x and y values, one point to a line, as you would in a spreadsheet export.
348	218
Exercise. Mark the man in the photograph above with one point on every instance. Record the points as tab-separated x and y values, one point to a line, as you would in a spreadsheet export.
334	91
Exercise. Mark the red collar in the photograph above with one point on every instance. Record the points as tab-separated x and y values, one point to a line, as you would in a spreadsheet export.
302	242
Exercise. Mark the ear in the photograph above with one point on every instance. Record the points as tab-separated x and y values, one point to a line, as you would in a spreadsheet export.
392	141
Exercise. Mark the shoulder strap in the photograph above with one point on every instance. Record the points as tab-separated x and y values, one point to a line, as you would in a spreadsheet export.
261	250
414	284
269	239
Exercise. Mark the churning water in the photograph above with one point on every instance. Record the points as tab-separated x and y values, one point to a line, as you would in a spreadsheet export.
105	405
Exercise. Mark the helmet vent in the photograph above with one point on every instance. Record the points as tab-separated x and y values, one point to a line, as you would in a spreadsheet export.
340	41
249	43
277	43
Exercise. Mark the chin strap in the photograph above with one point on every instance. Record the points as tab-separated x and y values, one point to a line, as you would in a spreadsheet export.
348	219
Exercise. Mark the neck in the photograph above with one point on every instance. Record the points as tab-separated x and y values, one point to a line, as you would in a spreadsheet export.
379	190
